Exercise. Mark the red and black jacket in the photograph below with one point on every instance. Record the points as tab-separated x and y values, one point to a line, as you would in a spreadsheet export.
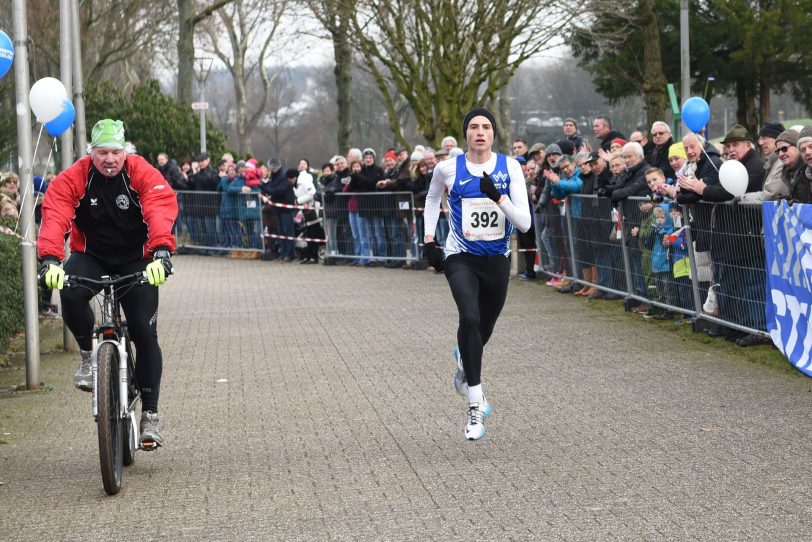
116	219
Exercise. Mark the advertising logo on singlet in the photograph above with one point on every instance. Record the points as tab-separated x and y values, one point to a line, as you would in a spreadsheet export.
500	180
122	202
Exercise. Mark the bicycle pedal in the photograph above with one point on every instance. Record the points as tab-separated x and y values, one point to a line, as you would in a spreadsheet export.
149	446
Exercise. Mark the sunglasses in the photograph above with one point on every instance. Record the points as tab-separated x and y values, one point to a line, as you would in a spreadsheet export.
779	150
655	134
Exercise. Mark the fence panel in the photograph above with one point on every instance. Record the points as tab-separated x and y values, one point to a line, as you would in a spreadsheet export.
219	222
371	227
704	260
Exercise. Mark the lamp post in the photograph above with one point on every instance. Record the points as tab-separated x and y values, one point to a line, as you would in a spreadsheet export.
203	67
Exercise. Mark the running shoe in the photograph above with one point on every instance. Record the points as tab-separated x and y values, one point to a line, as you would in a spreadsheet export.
460	383
83	378
477	414
150	430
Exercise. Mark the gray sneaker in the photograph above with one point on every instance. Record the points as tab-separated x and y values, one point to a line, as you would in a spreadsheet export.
83	378
151	437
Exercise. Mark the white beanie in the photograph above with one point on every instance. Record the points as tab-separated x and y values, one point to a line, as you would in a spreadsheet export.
417	155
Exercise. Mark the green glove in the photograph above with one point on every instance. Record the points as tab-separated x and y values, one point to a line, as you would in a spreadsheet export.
160	267
52	275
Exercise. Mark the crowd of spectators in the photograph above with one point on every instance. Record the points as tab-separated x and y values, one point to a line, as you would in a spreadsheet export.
640	190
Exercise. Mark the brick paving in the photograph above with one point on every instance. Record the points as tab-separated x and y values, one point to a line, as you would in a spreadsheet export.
338	421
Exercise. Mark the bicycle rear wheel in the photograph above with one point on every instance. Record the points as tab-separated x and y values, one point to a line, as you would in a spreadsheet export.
131	430
110	424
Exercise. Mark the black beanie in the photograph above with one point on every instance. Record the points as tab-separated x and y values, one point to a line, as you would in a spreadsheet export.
476	112
292	173
771	129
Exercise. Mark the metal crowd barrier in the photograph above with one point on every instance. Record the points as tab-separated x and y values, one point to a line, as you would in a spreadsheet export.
219	222
704	260
372	226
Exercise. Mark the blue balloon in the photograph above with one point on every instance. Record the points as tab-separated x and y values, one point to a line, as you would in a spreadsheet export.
63	121
6	53
695	114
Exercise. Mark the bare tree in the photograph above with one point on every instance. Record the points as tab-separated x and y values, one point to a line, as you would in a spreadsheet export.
334	15
448	56
250	27
188	18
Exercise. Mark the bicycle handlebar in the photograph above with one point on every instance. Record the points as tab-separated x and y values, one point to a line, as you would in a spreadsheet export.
72	281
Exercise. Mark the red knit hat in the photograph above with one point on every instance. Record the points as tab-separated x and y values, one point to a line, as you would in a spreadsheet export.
619	140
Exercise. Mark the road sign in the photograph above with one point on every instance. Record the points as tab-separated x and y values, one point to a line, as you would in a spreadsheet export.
199	106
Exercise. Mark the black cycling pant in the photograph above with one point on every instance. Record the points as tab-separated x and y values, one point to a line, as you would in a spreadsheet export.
140	306
479	285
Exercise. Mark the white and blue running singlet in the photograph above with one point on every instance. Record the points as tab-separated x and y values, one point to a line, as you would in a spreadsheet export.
477	225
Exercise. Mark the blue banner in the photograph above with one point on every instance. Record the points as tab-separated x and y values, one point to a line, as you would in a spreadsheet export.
788	246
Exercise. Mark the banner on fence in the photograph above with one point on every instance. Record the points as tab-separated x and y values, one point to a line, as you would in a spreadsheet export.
788	244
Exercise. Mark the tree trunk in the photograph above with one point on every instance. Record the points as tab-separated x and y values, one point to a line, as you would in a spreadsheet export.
502	128
343	74
654	83
764	101
186	51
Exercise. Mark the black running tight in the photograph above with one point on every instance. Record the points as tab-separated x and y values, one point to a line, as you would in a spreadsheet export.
140	306
479	286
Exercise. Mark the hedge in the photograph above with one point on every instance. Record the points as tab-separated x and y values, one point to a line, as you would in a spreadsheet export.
11	286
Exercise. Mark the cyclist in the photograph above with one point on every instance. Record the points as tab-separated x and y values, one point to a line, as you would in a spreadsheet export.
487	198
119	211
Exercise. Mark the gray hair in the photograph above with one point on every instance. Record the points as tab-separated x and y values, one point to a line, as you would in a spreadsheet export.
636	147
565	159
699	138
447	139
661	124
581	157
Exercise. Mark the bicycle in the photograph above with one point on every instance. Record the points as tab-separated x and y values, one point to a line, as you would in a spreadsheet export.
115	391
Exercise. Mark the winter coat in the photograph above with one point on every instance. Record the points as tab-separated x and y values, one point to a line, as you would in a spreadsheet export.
707	169
658	157
171	172
654	241
566	186
229	204
607	141
773	187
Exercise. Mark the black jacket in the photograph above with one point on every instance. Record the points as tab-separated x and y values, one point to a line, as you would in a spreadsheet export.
205	179
171	172
658	157
707	169
607	141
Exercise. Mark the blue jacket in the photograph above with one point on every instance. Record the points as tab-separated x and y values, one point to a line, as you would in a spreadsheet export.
228	205
567	186
246	204
659	253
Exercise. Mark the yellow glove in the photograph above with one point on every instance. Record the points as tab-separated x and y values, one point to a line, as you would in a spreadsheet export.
156	274
160	267
54	275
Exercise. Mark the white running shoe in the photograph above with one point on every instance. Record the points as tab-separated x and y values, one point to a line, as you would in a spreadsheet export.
83	378
460	383
477	414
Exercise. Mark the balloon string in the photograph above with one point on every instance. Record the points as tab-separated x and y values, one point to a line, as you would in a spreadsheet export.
706	154
44	172
25	185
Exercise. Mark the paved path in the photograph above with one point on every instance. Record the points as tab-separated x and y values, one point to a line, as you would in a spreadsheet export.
338	422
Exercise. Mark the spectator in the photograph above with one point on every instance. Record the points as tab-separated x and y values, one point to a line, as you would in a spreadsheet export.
657	242
602	128
537	153
588	230
616	146
305	192
659	148
566	182
773	186
171	172
633	183
248	209
448	143
639	136
276	178
552	237
677	243
520	148
359	225
204	207
229	214
339	235
572	134
527	240
800	190
281	191
10	195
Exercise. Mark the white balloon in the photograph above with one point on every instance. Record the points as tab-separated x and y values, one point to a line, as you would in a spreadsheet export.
734	178
47	99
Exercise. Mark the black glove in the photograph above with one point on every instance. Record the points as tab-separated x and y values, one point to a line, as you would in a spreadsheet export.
434	255
486	187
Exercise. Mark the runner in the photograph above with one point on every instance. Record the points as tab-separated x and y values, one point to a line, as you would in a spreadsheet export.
487	199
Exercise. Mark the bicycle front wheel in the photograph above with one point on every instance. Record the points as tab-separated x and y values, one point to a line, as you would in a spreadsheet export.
110	424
